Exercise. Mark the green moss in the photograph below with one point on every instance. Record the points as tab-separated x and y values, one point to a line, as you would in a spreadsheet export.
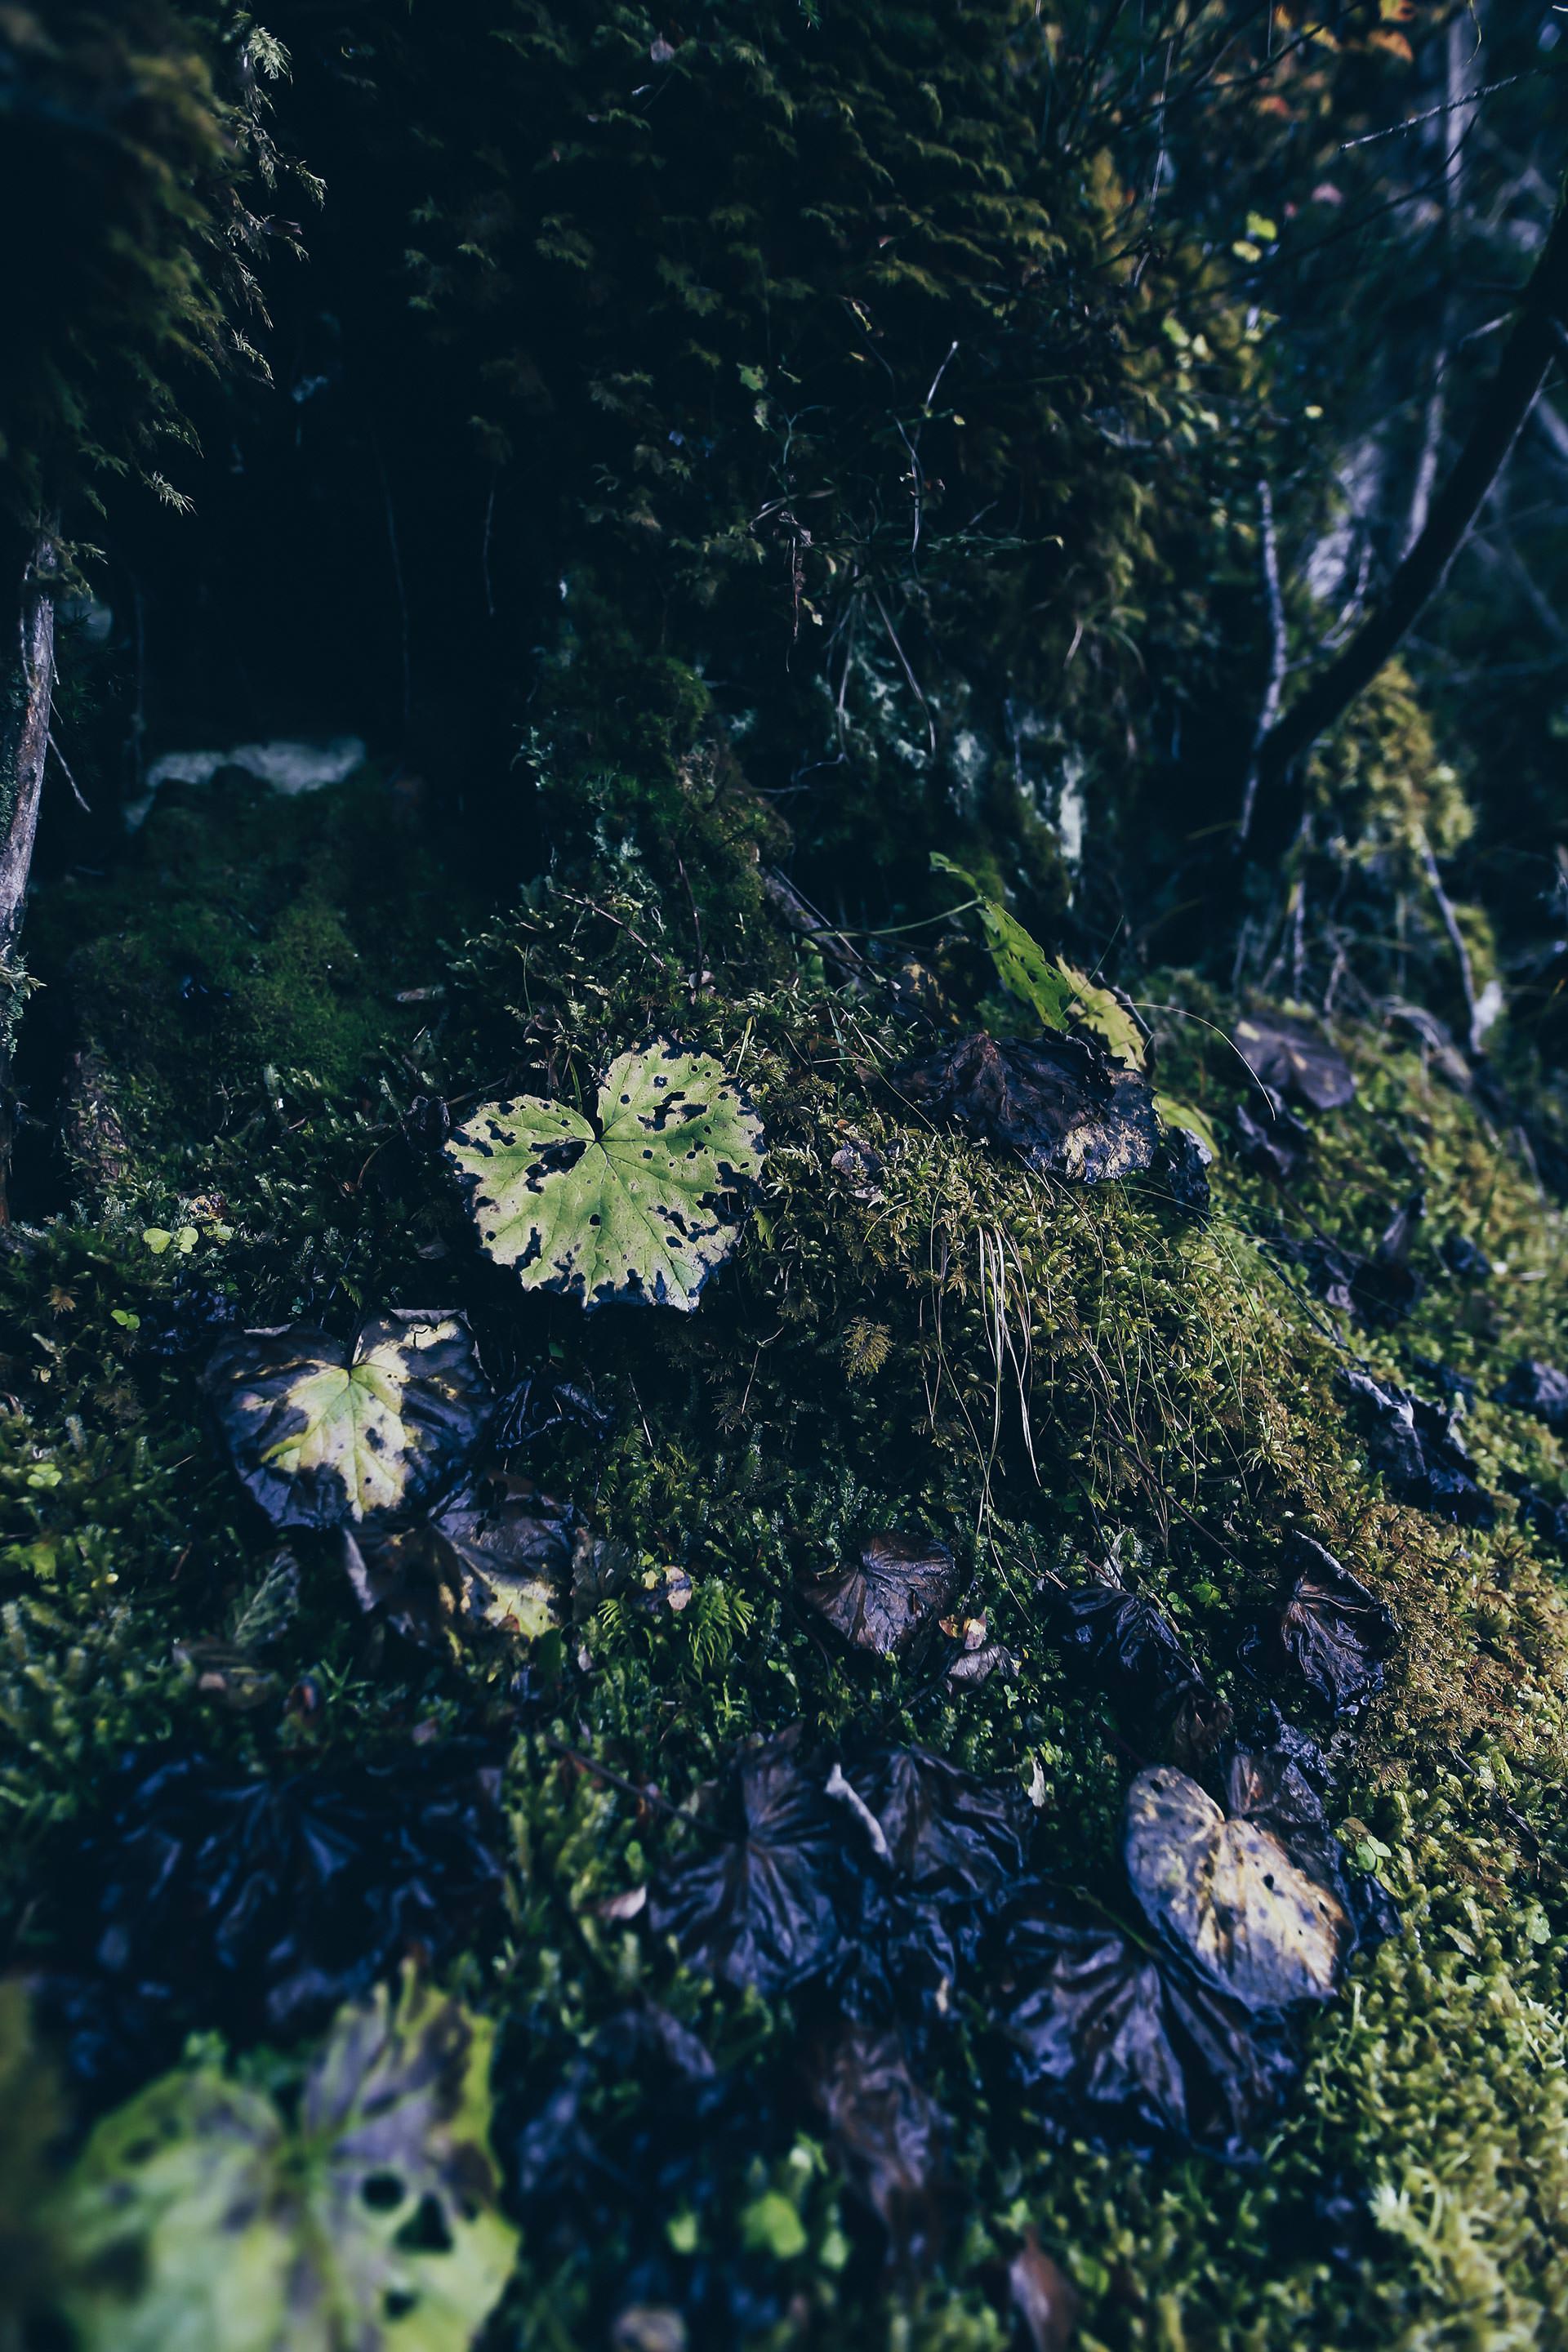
1158	1384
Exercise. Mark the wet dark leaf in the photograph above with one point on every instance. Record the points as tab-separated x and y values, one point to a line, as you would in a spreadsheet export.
1464	1260
972	1667
1059	1101
1539	1389
1294	1058
427	1123
1329	1628
203	1896
761	1907
949	1837
1270	1139
1378	1290
1128	1648
495	1560
889	2136
543	1401
1417	1448
935	1852
1229	1894
1043	2296
1183	1170
882	1600
1135	2035
321	1434
1544	1516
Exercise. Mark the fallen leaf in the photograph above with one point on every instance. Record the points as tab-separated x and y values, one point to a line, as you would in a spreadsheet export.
1228	1893
495	1560
1417	1447
201	1896
889	2136
321	1434
1329	1628
635	1205
1539	1389
946	1847
1183	1169
881	1601
972	1667
1272	1140
1128	1648
1294	1058
1138	2035
199	2215
541	1401
1378	1290
1043	2296
761	1907
1060	1102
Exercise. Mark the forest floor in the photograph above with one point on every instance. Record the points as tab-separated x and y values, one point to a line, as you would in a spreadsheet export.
824	1995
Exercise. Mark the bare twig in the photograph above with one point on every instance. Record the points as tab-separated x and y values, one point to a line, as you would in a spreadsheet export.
1279	652
65	770
909	673
1457	939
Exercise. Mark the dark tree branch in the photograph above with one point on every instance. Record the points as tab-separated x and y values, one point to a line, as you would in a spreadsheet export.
1529	352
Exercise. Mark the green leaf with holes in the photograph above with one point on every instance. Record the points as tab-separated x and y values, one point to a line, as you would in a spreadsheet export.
321	1434
639	1204
201	2219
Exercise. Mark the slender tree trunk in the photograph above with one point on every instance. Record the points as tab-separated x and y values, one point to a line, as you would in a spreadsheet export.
1450	129
24	748
1532	346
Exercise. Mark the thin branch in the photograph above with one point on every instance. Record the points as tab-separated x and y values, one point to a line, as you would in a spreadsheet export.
70	779
1456	937
1449	106
1279	654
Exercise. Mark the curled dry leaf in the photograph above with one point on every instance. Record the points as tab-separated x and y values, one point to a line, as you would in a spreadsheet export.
1418	1449
760	1907
1293	1058
199	2215
321	1434
1329	1628
1228	1893
882	1600
1138	2036
889	2136
1059	1101
637	1204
